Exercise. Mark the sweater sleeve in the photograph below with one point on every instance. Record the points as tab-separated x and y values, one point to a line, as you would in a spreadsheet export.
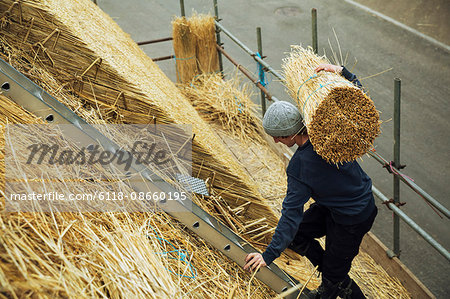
351	77
291	217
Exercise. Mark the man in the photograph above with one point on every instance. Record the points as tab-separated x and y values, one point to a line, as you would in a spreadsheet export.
344	208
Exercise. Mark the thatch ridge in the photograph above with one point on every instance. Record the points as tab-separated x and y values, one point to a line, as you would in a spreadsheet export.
90	56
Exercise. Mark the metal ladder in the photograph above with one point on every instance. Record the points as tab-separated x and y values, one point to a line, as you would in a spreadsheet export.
34	99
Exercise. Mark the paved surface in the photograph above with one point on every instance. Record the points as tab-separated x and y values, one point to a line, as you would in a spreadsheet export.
376	45
430	17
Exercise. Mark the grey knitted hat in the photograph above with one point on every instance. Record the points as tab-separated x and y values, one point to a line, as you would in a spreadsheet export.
282	119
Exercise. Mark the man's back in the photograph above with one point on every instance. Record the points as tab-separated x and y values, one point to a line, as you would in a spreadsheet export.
344	188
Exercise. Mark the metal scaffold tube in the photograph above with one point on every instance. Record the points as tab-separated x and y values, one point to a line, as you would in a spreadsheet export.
408	181
247	74
183	12
261	74
219	43
412	224
250	52
315	43
155	41
396	180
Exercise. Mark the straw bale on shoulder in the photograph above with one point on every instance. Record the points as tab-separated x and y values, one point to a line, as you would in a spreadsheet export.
341	119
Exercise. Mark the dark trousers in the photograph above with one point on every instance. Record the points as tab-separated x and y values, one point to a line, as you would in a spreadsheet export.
341	243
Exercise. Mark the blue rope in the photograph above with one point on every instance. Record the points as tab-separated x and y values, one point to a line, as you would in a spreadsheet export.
312	77
180	254
239	105
261	73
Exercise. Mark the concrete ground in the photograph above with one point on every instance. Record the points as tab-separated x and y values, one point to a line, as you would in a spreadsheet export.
370	45
430	17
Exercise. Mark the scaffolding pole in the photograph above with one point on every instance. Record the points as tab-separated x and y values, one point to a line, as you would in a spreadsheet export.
216	14
411	223
250	52
315	44
247	74
396	179
261	70
183	12
155	41
409	182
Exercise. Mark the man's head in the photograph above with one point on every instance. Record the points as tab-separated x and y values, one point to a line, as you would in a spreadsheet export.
283	121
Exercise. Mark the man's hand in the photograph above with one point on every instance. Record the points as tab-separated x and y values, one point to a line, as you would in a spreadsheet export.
254	261
329	68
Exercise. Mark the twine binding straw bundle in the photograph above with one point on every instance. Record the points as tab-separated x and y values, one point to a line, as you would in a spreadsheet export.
341	119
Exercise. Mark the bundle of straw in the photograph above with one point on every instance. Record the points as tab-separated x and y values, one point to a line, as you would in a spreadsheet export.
341	119
184	46
204	29
194	44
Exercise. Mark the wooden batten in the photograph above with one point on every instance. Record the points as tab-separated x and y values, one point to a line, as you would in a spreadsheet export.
394	267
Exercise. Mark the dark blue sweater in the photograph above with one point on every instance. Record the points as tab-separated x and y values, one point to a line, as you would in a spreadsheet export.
344	189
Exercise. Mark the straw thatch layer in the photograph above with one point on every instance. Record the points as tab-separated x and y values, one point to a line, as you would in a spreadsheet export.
342	121
88	55
118	255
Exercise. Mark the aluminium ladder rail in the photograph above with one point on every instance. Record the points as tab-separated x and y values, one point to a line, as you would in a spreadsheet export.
27	94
